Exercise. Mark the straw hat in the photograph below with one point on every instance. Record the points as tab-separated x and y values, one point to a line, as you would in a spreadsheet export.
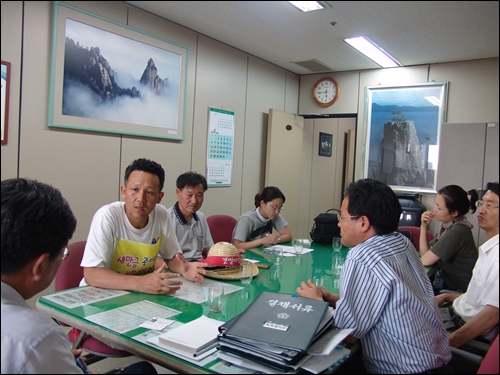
224	262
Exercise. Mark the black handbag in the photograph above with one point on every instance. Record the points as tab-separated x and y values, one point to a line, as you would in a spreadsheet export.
325	227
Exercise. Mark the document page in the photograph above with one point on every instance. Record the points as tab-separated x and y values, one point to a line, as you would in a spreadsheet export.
83	296
127	318
197	293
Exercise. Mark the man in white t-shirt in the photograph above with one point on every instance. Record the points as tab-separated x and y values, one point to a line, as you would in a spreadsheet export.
190	223
32	343
476	311
131	243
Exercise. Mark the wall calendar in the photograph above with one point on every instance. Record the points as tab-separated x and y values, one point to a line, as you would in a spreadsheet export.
220	145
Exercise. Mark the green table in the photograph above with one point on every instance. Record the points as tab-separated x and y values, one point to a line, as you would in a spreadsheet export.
286	277
283	278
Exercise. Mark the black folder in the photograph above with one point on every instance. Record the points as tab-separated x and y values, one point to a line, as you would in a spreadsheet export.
266	361
277	319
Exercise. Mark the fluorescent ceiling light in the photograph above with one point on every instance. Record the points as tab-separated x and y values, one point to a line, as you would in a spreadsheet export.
373	52
307	6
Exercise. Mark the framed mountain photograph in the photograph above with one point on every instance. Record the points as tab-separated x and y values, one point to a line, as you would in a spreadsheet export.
109	77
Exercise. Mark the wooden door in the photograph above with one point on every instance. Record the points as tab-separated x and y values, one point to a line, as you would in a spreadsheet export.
311	183
285	137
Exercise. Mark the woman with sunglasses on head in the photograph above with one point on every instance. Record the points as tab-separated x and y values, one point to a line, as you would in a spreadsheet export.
255	228
453	248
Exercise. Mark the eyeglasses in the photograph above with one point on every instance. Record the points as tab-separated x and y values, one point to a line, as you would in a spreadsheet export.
280	209
487	206
340	218
66	253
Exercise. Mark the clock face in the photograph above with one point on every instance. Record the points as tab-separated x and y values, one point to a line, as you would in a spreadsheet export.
325	92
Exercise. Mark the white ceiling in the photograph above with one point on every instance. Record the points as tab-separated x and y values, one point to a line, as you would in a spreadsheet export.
413	32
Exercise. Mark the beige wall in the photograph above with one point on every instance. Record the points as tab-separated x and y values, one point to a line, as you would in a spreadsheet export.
473	97
88	167
11	31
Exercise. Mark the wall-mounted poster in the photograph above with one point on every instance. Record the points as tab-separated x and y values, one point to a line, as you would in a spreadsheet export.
5	99
220	145
325	144
403	125
109	77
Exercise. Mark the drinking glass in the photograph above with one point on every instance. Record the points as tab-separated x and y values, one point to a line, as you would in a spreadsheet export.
336	244
319	280
215	298
336	285
298	246
246	273
297	261
276	272
337	263
244	294
278	255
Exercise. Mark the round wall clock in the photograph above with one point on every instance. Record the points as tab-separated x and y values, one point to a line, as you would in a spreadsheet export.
326	91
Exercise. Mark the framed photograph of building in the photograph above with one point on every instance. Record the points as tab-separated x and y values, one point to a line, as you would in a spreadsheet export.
112	78
325	144
403	126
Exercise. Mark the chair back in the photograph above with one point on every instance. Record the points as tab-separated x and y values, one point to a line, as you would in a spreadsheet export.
69	276
221	227
71	273
415	235
489	365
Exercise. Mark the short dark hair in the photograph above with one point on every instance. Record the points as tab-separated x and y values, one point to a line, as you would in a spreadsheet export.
191	179
148	166
493	186
36	219
268	194
455	199
377	201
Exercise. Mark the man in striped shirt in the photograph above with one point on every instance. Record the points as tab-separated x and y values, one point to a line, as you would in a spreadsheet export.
385	293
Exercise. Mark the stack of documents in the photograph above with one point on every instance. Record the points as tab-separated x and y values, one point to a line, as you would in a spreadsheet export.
276	330
193	336
195	339
319	363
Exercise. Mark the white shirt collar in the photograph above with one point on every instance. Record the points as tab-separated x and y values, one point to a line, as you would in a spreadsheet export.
490	244
261	218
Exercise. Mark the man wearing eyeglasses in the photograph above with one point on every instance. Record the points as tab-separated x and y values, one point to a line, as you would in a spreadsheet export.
475	313
385	295
37	224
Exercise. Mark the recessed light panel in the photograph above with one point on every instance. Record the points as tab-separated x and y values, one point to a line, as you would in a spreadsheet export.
373	52
307	6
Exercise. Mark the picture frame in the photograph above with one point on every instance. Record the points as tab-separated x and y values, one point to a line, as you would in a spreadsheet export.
5	100
325	144
112	78
402	131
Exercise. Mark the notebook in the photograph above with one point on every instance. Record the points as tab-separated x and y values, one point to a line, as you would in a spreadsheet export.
194	336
